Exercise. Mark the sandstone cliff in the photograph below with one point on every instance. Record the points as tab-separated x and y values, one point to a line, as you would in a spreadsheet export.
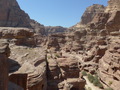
113	5
89	14
11	15
38	28
95	46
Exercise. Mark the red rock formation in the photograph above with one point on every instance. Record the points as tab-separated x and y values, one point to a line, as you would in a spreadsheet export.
113	5
4	53
113	22
109	65
88	15
91	12
19	79
12	15
30	63
18	36
3	73
52	30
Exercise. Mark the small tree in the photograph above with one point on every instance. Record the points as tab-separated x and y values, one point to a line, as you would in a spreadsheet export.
84	73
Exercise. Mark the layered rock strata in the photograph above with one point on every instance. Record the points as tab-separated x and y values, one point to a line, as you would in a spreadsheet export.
30	67
109	65
18	36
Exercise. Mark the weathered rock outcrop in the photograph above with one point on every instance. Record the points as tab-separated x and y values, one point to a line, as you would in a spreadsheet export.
88	15
19	36
38	28
91	12
4	47
63	72
113	5
4	53
30	70
113	22
108	19
99	21
56	29
109	65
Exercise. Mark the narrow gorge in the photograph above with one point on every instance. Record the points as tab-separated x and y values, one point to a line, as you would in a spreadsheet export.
85	56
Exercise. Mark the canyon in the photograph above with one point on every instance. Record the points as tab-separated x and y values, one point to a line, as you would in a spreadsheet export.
38	57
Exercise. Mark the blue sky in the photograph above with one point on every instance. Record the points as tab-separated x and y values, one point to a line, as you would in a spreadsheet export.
57	12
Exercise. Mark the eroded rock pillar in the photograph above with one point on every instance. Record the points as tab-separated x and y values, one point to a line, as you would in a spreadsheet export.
3	72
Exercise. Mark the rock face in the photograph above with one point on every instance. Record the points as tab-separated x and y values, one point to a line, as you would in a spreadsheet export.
3	73
62	67
52	30
91	12
109	65
113	22
18	36
108	19
99	21
4	53
94	48
88	15
12	15
63	72
37	27
113	5
30	70
4	48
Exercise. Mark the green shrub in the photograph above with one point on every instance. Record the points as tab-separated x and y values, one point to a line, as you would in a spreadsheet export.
110	82
100	85
84	73
95	80
89	88
90	78
108	89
